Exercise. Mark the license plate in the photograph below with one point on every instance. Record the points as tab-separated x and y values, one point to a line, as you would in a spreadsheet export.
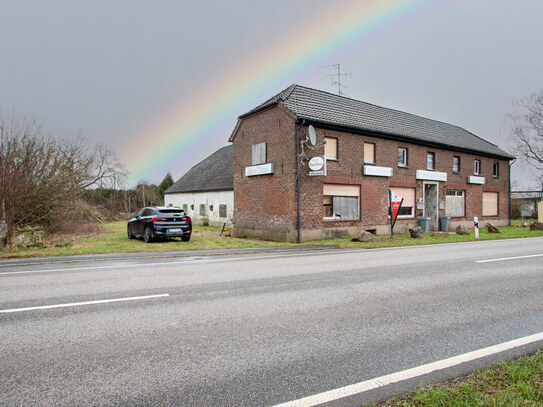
174	230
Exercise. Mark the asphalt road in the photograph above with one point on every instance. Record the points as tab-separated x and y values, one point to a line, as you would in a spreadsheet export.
258	328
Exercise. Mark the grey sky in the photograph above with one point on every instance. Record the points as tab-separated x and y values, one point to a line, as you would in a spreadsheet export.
111	68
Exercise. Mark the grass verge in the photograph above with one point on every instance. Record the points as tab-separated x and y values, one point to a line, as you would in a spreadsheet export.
514	383
508	232
111	238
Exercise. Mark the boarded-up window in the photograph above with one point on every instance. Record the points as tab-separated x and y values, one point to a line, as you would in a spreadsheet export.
490	204
345	207
259	154
202	210
408	205
330	148
455	201
341	201
222	211
369	153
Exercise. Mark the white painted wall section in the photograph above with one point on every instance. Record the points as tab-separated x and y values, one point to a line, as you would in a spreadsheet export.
212	201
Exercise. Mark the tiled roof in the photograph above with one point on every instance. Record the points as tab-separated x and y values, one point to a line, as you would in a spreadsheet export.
322	107
215	173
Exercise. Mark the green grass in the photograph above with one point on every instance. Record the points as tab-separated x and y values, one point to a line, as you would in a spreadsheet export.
508	232
515	383
113	240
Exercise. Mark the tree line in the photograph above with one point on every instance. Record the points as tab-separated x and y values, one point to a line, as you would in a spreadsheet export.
45	180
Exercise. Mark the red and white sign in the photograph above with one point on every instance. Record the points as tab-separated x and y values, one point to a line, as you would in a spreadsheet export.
395	203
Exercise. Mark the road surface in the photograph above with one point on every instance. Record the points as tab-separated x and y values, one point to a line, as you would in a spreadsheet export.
260	328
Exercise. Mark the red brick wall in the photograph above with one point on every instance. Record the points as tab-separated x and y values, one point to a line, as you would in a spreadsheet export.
266	201
269	201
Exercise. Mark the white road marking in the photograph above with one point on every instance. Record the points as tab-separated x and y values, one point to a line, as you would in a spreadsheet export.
76	304
372	384
509	258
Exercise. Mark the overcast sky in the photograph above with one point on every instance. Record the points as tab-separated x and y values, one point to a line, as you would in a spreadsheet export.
115	70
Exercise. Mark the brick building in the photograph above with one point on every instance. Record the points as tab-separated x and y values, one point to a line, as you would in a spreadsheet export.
439	169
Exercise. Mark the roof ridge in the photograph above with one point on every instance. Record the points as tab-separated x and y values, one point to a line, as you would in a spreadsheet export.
387	108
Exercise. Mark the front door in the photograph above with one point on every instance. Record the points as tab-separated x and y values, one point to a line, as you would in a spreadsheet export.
430	204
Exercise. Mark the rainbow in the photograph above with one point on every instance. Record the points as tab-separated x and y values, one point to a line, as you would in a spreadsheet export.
345	29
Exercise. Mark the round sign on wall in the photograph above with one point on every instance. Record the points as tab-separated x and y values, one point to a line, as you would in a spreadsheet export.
316	163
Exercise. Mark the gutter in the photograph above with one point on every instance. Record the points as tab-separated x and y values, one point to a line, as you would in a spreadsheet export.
510	208
298	177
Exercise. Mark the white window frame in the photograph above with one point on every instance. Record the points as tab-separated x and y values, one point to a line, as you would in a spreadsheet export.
404	162
431	167
477	167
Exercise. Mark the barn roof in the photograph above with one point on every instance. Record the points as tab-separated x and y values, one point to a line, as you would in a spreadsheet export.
214	173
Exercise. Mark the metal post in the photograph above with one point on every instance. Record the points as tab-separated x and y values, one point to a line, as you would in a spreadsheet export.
298	175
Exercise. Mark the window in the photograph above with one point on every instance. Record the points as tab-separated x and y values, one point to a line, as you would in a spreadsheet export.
222	211
210	208
369	153
431	161
455	201
477	167
341	201
186	208
202	210
496	170
259	154
408	205
456	164
330	148
402	157
490	204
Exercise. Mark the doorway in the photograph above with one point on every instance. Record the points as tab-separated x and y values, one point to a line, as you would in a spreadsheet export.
430	204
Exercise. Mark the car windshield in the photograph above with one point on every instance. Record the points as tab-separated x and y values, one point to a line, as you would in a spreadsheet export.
180	211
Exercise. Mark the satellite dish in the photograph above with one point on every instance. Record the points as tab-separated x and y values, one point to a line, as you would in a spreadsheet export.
312	135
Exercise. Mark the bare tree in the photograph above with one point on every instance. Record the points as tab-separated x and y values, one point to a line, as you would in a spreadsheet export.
41	177
527	131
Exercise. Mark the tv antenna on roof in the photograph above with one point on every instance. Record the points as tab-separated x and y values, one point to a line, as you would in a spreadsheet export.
338	76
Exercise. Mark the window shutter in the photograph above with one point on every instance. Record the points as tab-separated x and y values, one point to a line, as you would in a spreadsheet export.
259	153
490	204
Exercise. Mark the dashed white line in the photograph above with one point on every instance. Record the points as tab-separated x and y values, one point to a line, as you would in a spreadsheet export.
372	384
77	304
510	258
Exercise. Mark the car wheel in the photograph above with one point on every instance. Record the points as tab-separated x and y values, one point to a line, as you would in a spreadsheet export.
185	238
148	235
129	232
